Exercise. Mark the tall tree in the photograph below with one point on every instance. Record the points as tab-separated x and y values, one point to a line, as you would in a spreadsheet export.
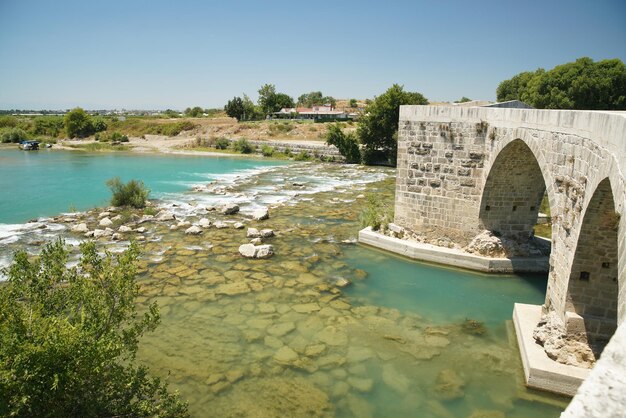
270	101
378	127
235	108
583	84
315	98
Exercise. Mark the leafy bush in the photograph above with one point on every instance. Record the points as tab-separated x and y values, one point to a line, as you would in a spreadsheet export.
243	146
133	193
302	156
267	151
69	336
48	125
13	135
8	121
118	137
222	143
376	213
346	144
78	123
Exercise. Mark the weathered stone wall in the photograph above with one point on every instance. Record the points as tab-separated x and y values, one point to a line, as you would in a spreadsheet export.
314	150
447	156
602	394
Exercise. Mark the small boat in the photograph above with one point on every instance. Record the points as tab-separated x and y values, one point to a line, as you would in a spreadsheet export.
29	145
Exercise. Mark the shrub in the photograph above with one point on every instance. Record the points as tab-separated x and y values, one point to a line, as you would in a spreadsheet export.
69	336
8	121
376	214
243	146
267	151
133	193
116	136
346	143
13	135
302	156
222	143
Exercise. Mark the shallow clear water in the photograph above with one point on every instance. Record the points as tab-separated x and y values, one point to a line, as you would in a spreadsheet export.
48	182
276	338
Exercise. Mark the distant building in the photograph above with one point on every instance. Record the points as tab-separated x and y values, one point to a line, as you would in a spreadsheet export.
321	112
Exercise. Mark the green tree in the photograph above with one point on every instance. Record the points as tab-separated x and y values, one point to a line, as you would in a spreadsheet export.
583	84
250	111
463	100
235	108
78	123
347	144
194	112
69	338
352	103
378	127
315	98
270	101
266	98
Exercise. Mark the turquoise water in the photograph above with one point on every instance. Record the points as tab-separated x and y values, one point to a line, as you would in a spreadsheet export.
49	182
421	288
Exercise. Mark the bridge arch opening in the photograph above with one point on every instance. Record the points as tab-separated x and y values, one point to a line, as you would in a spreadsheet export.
513	194
592	293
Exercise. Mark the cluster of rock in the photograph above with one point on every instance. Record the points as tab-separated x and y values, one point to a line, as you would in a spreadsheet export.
572	349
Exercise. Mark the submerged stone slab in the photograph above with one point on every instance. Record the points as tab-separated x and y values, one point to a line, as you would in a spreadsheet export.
540	371
453	257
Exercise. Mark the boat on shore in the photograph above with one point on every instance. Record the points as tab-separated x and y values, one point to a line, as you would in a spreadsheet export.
29	145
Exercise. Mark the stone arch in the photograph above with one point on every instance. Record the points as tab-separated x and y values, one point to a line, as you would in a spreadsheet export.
512	192
592	291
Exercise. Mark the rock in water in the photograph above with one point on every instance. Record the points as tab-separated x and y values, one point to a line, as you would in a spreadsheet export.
230	209
193	230
238	225
105	222
82	228
204	223
253	233
266	233
261	214
256	251
165	215
247	250
124	228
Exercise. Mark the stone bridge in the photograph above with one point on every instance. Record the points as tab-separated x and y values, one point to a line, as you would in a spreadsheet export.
464	170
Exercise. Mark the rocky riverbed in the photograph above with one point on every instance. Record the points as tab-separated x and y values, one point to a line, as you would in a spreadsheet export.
279	335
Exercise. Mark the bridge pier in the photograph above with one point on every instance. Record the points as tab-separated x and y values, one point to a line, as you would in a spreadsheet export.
466	175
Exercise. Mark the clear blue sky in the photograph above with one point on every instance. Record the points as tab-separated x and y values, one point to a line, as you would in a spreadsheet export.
176	53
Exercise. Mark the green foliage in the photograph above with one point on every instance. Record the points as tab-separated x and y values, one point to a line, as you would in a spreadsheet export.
222	143
242	146
8	121
463	100
352	103
194	112
69	338
315	98
378	127
376	213
133	193
347	144
111	137
78	123
582	84
267	151
13	135
138	126
302	156
48	125
270	101
169	113
234	108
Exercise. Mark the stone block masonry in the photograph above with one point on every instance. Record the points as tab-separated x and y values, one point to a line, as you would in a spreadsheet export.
464	170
